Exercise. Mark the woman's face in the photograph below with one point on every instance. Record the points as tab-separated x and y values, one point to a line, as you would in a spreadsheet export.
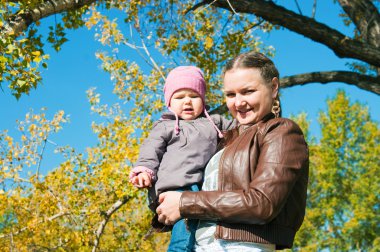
248	97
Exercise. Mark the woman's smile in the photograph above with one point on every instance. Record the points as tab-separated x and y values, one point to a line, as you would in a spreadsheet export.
249	98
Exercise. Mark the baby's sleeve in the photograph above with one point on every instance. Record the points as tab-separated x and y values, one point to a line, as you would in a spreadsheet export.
151	151
224	123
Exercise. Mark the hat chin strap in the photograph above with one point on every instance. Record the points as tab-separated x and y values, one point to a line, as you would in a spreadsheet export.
213	124
176	127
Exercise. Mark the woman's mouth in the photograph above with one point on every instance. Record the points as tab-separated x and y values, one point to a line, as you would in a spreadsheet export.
243	113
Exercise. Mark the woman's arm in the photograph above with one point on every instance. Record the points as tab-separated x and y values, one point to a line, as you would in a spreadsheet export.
283	159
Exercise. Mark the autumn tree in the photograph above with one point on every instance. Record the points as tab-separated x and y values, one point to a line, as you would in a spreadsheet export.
86	203
343	196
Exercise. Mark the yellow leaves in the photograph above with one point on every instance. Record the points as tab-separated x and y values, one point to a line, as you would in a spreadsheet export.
109	31
209	42
36	53
32	129
170	44
93	98
157	105
82	185
9	141
37	57
94	19
10	48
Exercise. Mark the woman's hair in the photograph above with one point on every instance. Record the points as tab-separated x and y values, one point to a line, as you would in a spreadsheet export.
254	60
243	61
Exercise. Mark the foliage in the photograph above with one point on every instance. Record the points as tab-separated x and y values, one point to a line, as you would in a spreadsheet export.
21	55
196	37
64	208
206	33
343	202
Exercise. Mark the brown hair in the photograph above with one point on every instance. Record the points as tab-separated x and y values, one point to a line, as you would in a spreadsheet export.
254	60
249	60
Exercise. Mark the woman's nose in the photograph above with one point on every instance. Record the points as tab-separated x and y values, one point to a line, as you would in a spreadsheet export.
239	100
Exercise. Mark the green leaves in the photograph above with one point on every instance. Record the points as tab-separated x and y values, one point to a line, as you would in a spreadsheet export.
344	189
56	36
22	55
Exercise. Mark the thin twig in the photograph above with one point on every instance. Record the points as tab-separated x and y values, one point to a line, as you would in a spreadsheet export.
198	5
298	7
37	223
135	47
232	8
224	27
51	142
314	9
253	26
107	215
148	53
60	204
40	159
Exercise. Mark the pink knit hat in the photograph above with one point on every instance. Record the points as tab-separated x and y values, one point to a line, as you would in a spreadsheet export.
190	77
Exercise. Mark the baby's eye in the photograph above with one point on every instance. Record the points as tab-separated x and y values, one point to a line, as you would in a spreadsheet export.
178	97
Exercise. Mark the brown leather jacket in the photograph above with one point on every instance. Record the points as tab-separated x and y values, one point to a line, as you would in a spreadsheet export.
263	176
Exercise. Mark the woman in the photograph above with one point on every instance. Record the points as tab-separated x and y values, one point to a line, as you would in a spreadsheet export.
254	193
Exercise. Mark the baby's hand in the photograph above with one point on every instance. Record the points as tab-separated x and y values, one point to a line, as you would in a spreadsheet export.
142	180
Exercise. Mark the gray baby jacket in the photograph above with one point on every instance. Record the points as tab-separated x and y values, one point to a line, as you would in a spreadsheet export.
179	160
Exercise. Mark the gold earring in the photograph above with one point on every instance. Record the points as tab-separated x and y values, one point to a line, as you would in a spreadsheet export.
276	108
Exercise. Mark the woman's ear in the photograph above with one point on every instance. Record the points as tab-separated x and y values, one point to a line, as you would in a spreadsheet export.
275	86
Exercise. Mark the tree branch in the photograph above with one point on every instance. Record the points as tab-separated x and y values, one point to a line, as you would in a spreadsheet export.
341	45
154	64
107	216
51	218
366	17
40	157
368	83
196	6
21	20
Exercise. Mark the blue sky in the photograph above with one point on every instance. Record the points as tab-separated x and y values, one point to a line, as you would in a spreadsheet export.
75	69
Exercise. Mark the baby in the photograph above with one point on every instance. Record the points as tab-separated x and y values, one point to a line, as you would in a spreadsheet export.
174	155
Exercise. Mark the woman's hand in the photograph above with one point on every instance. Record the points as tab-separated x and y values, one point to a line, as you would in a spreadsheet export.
168	211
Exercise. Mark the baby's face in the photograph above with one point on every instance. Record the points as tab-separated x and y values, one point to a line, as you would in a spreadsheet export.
187	104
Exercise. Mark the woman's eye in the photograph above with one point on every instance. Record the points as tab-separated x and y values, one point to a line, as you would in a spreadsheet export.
230	95
250	91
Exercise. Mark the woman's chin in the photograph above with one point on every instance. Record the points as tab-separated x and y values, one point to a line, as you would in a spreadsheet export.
246	119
